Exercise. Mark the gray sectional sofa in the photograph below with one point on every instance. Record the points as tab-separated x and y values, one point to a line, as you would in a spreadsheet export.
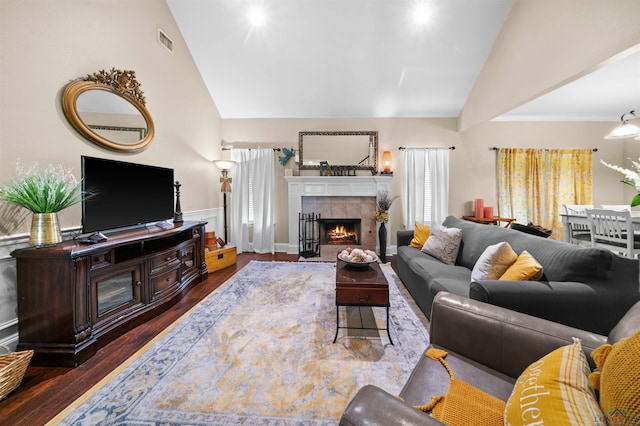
586	288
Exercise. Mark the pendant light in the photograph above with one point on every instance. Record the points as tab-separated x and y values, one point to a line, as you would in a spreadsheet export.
626	129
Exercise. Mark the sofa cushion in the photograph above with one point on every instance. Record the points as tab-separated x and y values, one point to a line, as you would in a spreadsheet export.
525	268
494	262
554	390
443	244
432	269
420	234
424	275
436	276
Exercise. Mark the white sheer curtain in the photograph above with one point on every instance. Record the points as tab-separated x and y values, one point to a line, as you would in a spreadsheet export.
252	199
425	186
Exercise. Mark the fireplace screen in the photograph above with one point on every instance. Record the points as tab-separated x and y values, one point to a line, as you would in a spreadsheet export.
340	231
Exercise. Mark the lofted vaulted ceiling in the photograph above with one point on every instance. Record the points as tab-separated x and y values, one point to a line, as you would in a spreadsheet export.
370	58
603	95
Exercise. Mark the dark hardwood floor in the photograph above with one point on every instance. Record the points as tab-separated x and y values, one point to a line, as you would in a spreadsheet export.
45	391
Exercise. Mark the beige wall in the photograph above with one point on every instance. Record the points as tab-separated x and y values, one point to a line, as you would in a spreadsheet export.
46	44
392	133
472	163
545	44
606	186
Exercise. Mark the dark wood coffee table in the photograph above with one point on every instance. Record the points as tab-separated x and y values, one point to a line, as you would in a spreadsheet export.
360	287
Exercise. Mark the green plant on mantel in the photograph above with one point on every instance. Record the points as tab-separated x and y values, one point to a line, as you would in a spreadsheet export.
48	191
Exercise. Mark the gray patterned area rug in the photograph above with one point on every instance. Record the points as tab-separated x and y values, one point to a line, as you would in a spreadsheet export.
258	351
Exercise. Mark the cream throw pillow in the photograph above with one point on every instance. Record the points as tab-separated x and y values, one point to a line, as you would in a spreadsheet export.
443	244
493	262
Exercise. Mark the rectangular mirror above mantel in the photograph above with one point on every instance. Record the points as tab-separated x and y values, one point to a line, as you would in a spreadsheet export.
355	151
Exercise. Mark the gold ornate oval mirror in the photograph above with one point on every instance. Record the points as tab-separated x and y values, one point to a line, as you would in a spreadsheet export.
108	108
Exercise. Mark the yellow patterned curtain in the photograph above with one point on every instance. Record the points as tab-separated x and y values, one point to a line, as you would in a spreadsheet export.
533	184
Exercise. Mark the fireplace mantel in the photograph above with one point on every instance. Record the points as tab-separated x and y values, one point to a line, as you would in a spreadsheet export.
327	186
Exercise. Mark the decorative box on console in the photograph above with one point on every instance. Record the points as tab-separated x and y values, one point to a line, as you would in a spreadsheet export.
220	258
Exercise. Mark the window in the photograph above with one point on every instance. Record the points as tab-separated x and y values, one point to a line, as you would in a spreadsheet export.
252	200
425	185
533	184
426	216
251	215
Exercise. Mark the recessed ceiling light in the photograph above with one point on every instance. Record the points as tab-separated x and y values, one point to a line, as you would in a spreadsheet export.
422	13
256	15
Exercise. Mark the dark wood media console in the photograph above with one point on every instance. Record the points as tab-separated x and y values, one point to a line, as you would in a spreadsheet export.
74	298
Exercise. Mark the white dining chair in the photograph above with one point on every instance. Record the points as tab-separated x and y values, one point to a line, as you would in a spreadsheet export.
578	233
617	207
613	230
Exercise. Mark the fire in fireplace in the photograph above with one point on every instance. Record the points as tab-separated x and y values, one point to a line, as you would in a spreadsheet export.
340	231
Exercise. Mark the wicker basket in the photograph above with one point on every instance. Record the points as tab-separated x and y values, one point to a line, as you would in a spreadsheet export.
13	366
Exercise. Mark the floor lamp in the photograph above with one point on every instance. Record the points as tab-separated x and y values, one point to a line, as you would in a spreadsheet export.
225	166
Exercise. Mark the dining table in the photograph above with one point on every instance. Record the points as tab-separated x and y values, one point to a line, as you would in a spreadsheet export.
569	219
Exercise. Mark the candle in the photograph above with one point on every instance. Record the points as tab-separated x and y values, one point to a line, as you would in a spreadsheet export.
488	212
479	204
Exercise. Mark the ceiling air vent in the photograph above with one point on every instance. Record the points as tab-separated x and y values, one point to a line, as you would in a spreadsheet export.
165	40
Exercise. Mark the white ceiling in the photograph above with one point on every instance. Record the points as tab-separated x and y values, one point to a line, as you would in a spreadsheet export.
368	58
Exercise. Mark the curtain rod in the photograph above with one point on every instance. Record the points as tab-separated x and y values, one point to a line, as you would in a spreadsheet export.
229	149
402	148
546	149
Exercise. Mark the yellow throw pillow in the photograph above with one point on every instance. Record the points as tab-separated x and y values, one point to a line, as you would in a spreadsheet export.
525	268
555	390
420	234
619	380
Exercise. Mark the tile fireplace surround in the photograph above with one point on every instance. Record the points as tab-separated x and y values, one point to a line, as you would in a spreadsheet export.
349	207
335	197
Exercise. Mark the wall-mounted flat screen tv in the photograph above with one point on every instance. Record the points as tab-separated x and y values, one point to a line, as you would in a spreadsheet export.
124	194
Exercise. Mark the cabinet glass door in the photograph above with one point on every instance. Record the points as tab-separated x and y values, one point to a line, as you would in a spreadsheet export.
117	290
187	256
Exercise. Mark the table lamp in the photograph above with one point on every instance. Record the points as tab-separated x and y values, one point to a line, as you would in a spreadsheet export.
386	162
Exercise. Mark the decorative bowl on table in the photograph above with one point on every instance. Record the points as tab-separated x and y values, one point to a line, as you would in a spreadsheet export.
358	258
